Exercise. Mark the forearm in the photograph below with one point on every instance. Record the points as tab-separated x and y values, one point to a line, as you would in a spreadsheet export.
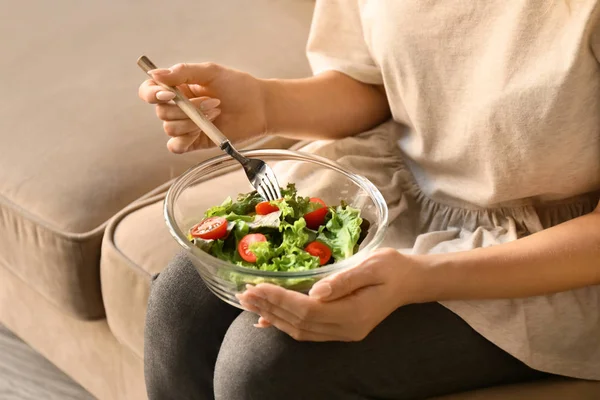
564	257
327	106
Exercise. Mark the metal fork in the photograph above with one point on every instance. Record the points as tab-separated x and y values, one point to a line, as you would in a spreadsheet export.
259	174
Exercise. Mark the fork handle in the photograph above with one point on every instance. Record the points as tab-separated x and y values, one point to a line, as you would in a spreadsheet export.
188	108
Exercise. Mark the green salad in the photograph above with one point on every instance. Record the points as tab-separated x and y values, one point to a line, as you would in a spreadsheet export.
293	233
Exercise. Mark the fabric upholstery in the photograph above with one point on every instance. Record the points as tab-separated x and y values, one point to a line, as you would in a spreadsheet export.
138	245
86	350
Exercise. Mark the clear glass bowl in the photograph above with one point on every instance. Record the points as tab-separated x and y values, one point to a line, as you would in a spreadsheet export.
314	176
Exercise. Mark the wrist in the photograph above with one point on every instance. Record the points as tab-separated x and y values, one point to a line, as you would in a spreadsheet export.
271	94
431	277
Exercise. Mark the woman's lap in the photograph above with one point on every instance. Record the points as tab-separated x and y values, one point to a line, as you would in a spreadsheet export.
418	351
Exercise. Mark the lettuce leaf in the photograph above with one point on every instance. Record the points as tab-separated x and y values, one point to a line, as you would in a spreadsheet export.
233	217
342	231
295	235
203	244
244	204
289	191
219	211
291	205
271	220
222	252
294	260
290	254
263	251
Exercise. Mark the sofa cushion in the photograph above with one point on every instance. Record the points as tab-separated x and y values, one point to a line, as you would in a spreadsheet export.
77	145
137	245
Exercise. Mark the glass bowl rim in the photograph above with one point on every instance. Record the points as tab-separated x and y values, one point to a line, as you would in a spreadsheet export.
288	155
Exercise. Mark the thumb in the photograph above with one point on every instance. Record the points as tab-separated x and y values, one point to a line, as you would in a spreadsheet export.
346	282
178	74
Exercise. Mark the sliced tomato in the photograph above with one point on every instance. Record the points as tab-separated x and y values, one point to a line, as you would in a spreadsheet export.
318	201
244	246
265	208
316	218
319	249
210	229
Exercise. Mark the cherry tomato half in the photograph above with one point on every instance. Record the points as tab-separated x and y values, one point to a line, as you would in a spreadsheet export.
243	246
210	229
320	250
265	208
318	201
316	218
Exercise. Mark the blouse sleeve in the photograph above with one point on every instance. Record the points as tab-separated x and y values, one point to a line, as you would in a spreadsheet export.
336	42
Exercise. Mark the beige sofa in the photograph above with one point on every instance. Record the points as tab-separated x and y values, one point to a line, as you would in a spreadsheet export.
83	169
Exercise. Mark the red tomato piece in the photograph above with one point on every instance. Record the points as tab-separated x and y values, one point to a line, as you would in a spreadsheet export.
210	229
319	249
265	208
244	246
316	218
318	201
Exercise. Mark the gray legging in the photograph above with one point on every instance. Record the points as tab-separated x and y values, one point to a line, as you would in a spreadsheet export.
197	347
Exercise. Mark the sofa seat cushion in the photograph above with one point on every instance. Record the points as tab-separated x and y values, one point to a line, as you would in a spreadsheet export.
138	245
77	145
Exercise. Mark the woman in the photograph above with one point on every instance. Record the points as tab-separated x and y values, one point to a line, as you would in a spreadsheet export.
490	164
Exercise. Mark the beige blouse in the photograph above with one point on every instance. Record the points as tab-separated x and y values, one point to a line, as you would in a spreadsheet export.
497	123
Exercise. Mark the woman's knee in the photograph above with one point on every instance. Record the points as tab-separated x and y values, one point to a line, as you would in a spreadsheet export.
167	306
185	324
181	309
267	364
171	294
247	361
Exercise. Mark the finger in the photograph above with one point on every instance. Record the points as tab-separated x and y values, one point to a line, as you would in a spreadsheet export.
185	126
260	306
296	333
346	282
172	112
178	74
152	93
193	91
180	128
301	306
262	323
182	144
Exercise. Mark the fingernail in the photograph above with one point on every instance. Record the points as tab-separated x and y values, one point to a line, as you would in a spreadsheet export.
251	289
254	292
249	306
209	104
255	300
212	114
320	290
165	95
160	71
